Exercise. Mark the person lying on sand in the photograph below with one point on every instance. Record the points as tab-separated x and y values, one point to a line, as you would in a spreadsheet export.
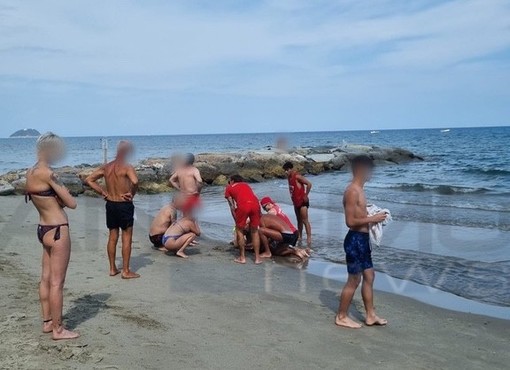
166	215
357	246
121	186
277	238
244	205
179	236
50	197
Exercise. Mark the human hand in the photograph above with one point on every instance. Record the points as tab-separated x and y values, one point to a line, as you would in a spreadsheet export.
128	197
379	217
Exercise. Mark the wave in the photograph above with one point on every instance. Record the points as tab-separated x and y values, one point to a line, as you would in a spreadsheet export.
487	171
438	189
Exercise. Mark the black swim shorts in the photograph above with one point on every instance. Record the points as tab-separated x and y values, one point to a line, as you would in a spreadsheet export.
119	214
156	240
290	239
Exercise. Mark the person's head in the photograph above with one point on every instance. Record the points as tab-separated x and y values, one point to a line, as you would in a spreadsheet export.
235	179
124	149
267	203
287	167
189	159
50	147
362	167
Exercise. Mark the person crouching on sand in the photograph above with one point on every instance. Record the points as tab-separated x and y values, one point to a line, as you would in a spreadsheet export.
244	204
180	235
278	239
165	217
50	197
121	186
357	246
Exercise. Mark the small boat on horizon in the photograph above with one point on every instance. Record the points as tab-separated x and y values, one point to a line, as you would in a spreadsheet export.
374	132
445	130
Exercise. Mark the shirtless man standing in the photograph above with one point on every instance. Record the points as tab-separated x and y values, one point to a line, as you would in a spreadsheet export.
121	186
188	181
165	217
357	246
299	188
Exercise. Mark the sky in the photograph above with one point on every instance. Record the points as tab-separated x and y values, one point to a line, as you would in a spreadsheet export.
97	68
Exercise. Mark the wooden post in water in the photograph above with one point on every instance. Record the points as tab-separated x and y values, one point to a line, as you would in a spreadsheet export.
104	146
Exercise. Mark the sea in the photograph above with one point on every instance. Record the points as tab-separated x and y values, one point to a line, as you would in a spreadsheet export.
451	211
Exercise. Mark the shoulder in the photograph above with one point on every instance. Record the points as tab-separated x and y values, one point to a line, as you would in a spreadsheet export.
351	191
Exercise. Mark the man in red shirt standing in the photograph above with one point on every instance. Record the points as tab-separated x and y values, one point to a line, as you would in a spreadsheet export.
244	205
299	188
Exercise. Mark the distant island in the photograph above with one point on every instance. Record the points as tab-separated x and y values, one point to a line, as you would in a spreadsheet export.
26	132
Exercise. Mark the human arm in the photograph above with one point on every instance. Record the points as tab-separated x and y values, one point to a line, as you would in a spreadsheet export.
194	228
198	180
133	179
351	205
305	183
63	196
232	205
174	181
92	179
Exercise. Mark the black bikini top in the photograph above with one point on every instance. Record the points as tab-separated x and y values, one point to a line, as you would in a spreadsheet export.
45	193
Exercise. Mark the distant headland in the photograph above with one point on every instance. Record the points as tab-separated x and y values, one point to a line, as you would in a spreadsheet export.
26	132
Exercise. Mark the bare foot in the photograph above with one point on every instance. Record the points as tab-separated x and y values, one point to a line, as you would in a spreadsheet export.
240	260
308	242
62	334
130	275
375	321
266	255
114	272
258	261
194	242
162	249
347	322
47	326
181	254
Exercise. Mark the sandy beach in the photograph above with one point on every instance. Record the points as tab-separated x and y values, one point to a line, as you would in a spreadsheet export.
207	312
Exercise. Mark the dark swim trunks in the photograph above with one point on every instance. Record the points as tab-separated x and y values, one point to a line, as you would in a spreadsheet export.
119	214
304	204
156	240
357	252
290	239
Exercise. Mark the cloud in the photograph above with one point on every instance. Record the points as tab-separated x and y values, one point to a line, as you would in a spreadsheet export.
348	52
187	46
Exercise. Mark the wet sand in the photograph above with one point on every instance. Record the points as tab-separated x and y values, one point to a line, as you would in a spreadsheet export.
207	312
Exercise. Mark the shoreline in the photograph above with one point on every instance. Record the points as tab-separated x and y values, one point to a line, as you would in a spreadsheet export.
208	312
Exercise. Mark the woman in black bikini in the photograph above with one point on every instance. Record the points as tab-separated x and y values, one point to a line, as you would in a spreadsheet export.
50	197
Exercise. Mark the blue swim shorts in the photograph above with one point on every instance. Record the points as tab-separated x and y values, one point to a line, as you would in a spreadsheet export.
357	252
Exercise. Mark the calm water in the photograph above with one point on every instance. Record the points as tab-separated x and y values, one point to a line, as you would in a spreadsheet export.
452	210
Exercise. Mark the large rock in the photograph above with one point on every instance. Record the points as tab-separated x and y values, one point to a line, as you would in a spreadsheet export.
6	189
216	168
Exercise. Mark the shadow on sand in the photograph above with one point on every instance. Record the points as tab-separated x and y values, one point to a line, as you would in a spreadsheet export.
85	308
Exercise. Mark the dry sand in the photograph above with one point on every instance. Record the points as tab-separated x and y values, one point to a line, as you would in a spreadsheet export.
207	312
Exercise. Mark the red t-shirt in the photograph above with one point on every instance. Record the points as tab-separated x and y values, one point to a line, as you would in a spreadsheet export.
242	193
297	190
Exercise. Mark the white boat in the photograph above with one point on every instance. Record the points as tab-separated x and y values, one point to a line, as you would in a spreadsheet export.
446	130
374	132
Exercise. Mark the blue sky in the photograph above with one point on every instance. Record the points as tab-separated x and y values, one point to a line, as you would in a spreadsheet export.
196	66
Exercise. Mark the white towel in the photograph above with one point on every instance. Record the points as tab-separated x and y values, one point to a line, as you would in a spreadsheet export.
376	230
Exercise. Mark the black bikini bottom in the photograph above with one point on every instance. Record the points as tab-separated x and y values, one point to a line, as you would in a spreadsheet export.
43	229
